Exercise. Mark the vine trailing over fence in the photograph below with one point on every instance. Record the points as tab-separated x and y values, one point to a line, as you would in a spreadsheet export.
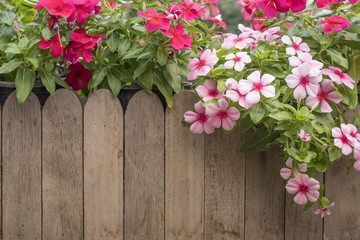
291	78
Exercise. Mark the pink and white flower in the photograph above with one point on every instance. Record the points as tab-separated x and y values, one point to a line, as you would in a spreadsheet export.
237	61
324	210
221	115
357	159
305	137
343	139
234	94
353	132
240	42
201	67
338	76
256	84
199	119
324	94
306	58
303	81
296	46
286	173
304	187
208	90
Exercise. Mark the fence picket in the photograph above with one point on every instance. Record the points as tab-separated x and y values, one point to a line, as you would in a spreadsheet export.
184	174
62	167
103	167
144	168
224	186
21	145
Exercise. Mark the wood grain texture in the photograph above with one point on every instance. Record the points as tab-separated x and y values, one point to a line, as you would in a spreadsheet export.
224	186
184	170
144	168
300	224
62	167
21	169
103	167
342	187
264	216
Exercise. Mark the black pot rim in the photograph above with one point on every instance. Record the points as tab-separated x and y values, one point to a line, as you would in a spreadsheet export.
12	85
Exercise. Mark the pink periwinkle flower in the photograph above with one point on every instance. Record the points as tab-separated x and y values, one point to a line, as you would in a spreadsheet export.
233	93
199	119
296	46
286	173
353	132
357	159
305	137
201	66
324	94
237	61
210	6
221	115
127	5
303	57
303	81
325	210
335	23
343	139
304	187
338	76
240	42
256	84
208	90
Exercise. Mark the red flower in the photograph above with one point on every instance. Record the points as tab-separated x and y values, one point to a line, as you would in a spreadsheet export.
217	21
82	10
335	23
53	21
54	43
78	76
190	10
294	5
178	40
173	13
157	20
271	7
60	8
75	50
80	35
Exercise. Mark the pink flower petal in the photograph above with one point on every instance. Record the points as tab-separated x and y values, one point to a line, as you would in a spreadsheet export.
190	116
253	97
227	123
286	173
300	198
233	113
197	128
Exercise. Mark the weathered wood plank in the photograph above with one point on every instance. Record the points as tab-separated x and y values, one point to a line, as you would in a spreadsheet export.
21	169
103	167
184	174
144	168
300	224
342	187
62	167
224	186
264	213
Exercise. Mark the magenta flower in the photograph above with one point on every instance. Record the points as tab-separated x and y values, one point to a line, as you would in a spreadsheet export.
208	90
233	93
54	43
324	3
357	159
199	119
157	20
75	50
60	8
173	13
305	137
240	42
201	66
286	173
210	6
303	81
190	10
254	85
304	57
343	139
127	5
80	35
324	94
338	76
271	7
82	10
217	20
335	23
324	210
304	187
178	40
78	76
296	46
221	115
237	61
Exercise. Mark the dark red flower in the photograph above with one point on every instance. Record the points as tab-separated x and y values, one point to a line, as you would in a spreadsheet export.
53	21
178	40
60	8
54	43
80	35
157	20
78	76
74	50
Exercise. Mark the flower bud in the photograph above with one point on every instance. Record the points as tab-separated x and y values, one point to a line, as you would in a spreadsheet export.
16	27
315	106
324	147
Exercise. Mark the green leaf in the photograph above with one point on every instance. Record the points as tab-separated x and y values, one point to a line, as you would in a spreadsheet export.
192	29
245	124
47	33
114	82
33	61
113	41
7	16
24	82
165	89
302	114
338	58
315	35
122	74
49	66
171	73
354	69
143	66
162	56
257	112
61	82
145	55
334	153
124	45
48	79
146	80
13	48
281	115
257	142
302	156
98	76
134	52
10	66
350	98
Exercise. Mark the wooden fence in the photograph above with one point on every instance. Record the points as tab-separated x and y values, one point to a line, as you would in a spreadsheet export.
71	172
